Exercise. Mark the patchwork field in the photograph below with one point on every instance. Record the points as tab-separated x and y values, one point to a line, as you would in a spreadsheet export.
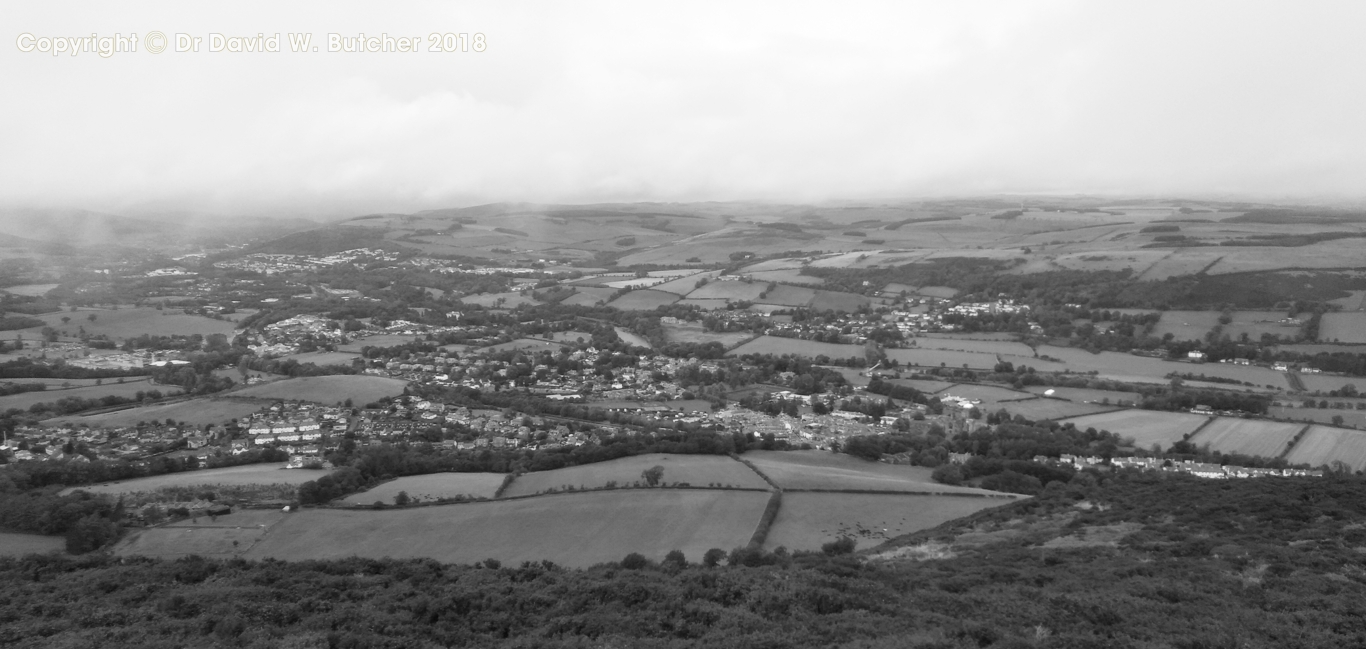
588	296
976	346
643	300
18	545
787	276
221	537
324	358
685	285
1343	327
1323	445
632	338
838	301
1042	409
1350	418
784	295
823	470
696	470
1186	325
359	388
533	344
806	348
923	385
807	520
30	290
430	487
1247	436
110	387
381	340
508	300
729	290
990	396
234	475
1146	427
691	333
573	530
1083	395
942	358
1256	323
196	412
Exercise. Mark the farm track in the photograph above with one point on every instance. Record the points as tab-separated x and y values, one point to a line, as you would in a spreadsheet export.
1294	441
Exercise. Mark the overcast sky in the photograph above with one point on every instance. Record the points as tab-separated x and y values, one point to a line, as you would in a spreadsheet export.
582	102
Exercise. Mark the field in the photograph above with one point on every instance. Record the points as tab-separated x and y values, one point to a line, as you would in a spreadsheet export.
110	387
1083	395
381	340
977	346
1146	427
806	348
1186	325
360	389
694	333
1325	382
507	300
784	295
1323	445
233	475
632	339
1246	436
787	276
729	290
837	301
196	412
1344	327
130	322
588	296
941	358
324	358
823	470
1052	409
1350	418
807	520
573	530
708	304
922	385
1256	323
696	470
526	343
431	487
17	545
225	536
685	285
643	300
990	396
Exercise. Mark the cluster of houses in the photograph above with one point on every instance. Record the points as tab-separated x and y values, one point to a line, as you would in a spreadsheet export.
272	264
1197	469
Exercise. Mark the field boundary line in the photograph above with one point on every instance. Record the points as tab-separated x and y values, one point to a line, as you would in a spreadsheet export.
476	499
775	503
755	469
1294	441
890	492
1190	437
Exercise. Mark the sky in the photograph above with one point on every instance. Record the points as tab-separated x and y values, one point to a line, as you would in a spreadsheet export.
580	102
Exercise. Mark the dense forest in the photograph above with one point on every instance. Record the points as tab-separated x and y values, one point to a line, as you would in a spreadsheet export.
1125	560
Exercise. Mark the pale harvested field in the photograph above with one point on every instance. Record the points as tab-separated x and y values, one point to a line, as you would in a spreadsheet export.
359	388
943	292
942	358
23	400
1323	445
836	471
196	412
807	520
975	346
234	475
696	334
1341	253
17	545
696	470
733	290
1186	325
1343	327
1146	427
430	487
573	530
1246	436
1042	409
772	265
643	300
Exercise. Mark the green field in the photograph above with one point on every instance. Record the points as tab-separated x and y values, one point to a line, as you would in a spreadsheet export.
507	300
234	475
130	322
631	338
430	487
807	348
696	470
1186	325
643	300
824	470
226	536
1246	436
1351	418
1043	408
990	396
1323	445
574	530
691	333
734	290
527	343
1082	395
324	358
379	340
18	545
196	412
110	387
1343	327
1146	427
359	388
807	520
977	346
941	358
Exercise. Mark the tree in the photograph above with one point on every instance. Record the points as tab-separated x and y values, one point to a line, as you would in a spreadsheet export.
90	533
842	545
91	317
1337	420
713	557
653	475
402	498
635	561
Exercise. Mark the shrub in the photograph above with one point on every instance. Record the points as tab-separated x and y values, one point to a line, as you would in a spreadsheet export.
842	545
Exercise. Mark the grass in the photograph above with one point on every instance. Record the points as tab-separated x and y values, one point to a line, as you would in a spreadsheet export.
733	290
381	340
1186	325
696	470
976	346
528	343
643	300
783	295
360	389
1323	445
1146	427
130	322
324	358
431	487
836	471
787	276
631	338
249	474
1051	409
510	299
808	520
18	545
196	412
574	530
942	358
691	333
837	301
1247	436
1354	418
990	396
1347	327
110	387
807	348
